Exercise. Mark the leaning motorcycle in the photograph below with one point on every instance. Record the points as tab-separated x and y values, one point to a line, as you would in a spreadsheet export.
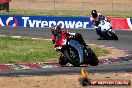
73	52
106	30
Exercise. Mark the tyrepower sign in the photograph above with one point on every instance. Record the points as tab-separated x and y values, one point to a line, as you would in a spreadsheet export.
45	21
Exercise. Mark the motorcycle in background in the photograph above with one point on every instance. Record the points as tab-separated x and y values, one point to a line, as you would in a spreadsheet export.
73	52
106	30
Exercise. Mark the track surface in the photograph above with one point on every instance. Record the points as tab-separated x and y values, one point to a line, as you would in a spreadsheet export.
89	36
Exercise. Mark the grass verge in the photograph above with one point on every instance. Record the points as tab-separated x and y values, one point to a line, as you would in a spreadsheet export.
18	50
63	13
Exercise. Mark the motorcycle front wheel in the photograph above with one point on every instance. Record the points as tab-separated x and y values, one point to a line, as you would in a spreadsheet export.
72	56
62	60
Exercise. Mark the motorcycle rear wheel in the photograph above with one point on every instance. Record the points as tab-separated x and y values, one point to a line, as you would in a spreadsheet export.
114	36
92	58
63	61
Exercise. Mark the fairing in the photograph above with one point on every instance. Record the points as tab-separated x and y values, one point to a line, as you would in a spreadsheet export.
78	47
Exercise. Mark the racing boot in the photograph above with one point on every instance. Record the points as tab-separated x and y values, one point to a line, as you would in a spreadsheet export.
62	60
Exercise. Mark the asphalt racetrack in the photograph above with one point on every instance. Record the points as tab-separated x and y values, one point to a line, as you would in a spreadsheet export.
89	36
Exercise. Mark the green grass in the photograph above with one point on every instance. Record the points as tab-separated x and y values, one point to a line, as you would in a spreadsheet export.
64	13
14	50
100	51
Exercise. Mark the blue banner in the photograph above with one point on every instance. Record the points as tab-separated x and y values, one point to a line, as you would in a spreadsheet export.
45	21
130	25
131	20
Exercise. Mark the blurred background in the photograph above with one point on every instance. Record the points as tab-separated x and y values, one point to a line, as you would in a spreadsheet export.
110	8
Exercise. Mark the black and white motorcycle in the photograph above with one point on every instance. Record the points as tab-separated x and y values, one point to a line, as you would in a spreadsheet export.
106	30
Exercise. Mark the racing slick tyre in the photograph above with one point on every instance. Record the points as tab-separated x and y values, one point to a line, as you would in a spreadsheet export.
62	60
71	54
92	58
114	36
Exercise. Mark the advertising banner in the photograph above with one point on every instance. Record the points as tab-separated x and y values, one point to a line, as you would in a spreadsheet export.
129	20
45	21
119	23
64	22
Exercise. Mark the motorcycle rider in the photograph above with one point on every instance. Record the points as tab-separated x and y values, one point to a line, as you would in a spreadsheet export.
57	31
95	19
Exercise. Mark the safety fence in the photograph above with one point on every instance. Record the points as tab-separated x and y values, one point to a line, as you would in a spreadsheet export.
110	8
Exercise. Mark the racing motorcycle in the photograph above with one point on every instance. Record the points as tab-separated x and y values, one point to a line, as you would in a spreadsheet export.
106	30
73	52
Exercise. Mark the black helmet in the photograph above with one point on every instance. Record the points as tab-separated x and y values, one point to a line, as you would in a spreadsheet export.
56	30
94	13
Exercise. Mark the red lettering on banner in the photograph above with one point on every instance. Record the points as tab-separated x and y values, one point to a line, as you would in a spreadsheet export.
119	23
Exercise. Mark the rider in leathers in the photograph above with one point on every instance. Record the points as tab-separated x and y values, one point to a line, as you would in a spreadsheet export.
56	31
95	19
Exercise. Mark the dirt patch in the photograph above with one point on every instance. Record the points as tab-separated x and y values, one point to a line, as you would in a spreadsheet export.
59	81
115	53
